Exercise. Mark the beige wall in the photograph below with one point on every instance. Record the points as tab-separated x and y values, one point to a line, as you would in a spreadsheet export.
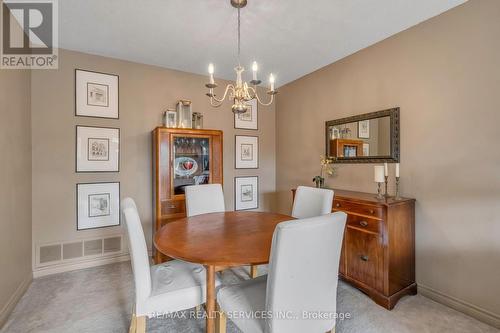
445	76
144	92
15	188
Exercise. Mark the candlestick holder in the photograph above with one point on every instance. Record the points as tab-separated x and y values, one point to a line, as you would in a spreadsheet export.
379	191
398	196
386	185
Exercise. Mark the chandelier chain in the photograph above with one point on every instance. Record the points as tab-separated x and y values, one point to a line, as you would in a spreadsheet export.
239	38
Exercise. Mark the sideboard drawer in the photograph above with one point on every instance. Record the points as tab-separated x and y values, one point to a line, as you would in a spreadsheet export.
364	258
173	207
364	223
363	209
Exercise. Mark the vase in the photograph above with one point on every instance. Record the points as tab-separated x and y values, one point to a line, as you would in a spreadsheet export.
320	182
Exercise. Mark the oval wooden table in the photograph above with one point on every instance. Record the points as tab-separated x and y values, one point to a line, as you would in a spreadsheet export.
219	241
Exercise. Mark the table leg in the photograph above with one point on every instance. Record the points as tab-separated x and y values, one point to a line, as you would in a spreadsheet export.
210	299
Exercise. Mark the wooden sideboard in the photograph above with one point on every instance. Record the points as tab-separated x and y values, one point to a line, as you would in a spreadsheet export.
378	252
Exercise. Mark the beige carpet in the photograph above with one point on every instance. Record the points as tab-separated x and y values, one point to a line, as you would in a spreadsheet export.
100	299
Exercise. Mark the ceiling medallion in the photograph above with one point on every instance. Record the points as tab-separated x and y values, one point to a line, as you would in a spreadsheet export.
241	92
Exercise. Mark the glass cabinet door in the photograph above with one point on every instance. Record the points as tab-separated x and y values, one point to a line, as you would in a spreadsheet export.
191	162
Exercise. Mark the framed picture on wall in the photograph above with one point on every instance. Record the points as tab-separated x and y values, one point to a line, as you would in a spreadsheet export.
96	94
247	119
246	193
97	205
366	149
247	152
97	149
364	129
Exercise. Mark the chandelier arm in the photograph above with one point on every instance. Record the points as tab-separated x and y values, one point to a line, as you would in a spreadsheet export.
253	92
214	104
262	103
228	87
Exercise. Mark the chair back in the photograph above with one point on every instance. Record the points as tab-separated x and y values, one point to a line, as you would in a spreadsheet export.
203	199
311	201
138	250
303	273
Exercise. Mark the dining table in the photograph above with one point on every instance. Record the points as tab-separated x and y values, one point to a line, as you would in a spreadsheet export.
219	241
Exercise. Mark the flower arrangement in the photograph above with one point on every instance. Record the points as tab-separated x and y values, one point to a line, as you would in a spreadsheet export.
326	168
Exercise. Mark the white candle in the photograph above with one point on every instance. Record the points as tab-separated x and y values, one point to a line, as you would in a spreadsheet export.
211	70
397	170
386	170
271	81
255	67
379	174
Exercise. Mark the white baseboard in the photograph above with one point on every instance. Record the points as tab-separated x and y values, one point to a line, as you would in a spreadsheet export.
71	266
472	310
11	304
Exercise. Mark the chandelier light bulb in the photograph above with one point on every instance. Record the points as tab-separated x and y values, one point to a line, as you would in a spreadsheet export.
211	72
255	67
271	81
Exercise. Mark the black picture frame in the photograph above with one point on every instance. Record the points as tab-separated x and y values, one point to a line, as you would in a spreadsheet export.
258	151
117	88
235	189
76	149
119	205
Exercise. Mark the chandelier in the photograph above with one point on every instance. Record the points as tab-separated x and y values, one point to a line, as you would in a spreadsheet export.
241	92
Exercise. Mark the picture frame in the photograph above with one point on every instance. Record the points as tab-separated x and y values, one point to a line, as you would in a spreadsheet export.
246	152
97	149
171	118
366	149
96	94
249	118
364	129
97	205
246	193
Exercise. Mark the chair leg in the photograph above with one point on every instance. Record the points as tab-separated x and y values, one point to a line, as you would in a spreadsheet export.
253	271
198	308
133	321
331	331
133	324
141	324
221	321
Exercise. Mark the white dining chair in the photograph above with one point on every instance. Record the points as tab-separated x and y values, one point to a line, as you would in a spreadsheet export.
209	198
203	199
160	289
289	289
311	201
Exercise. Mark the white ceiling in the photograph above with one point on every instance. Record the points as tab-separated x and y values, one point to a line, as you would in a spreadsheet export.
291	38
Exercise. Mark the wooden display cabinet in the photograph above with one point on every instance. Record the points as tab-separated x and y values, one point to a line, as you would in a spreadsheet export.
339	147
181	157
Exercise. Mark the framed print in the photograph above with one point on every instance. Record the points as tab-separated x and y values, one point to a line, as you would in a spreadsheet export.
98	205
248	119
97	149
366	149
364	129
246	193
247	152
96	94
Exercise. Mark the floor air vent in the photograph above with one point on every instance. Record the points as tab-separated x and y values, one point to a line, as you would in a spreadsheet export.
74	251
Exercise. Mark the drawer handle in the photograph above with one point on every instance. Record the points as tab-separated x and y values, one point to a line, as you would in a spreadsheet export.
363	223
363	257
337	205
372	211
172	206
